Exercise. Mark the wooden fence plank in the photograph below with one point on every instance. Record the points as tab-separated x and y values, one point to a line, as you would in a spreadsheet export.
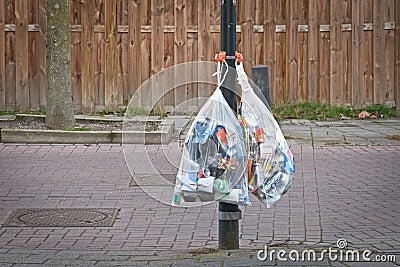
258	36
192	72
2	55
87	56
99	55
292	53
205	52
192	55
247	36
378	50
336	50
302	48
22	56
33	70
180	52
42	52
356	31
99	71
76	77
204	37
313	50
157	51
121	60
111	90
389	55
270	45
168	100
363	49
145	59
397	55
367	58
323	92
135	71
281	55
346	93
10	56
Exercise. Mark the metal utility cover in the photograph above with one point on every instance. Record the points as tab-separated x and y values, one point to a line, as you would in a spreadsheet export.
79	217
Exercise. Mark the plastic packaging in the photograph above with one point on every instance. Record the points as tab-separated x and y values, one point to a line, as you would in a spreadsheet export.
214	161
225	156
270	162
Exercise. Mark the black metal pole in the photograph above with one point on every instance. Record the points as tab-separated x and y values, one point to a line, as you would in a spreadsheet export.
229	214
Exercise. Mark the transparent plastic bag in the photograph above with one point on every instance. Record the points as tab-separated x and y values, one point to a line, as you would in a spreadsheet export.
270	162
213	164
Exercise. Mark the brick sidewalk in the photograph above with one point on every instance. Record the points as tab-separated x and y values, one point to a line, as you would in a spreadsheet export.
337	192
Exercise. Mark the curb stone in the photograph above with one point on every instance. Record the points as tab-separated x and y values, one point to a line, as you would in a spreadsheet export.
88	137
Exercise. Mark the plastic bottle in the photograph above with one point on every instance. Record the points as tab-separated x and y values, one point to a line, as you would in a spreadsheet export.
220	185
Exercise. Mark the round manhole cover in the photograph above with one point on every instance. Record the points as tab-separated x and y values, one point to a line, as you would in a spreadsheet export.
62	217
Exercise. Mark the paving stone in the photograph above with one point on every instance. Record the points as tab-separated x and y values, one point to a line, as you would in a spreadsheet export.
338	192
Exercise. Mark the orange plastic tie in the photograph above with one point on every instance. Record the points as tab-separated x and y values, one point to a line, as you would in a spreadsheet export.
220	57
238	57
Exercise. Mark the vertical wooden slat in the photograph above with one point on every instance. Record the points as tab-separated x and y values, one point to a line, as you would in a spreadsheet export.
313	50
121	61
363	58
302	48
111	90
378	50
87	56
269	43
135	70
336	49
180	42
280	52
42	52
2	56
168	99
258	37
10	57
292	53
192	72
33	70
346	94
22	56
76	77
205	52
356	31
397	55
146	58
215	19
180	51
247	36
157	50
324	58
389	55
367	62
123	16
99	79
192	55
191	10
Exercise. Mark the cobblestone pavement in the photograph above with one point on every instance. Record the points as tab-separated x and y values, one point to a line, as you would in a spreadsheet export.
349	192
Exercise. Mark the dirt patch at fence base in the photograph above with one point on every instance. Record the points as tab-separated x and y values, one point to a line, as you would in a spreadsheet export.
85	125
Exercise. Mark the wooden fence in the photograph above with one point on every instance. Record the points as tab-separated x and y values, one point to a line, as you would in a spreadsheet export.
337	51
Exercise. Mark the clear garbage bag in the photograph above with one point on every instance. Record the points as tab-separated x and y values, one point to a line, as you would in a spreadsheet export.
270	162
214	161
